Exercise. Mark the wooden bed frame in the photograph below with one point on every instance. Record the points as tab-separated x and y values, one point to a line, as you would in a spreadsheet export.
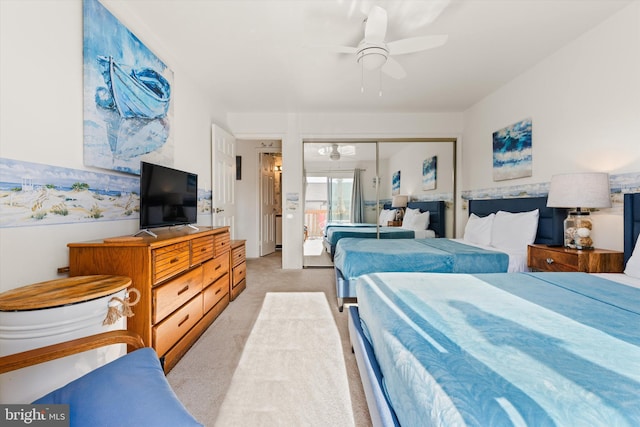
381	412
550	228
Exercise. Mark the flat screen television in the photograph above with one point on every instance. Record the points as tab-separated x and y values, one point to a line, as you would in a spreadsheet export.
167	196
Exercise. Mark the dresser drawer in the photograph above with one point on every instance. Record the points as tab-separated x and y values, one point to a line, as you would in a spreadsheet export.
170	260
221	242
216	268
239	273
201	250
171	295
214	293
171	329
238	255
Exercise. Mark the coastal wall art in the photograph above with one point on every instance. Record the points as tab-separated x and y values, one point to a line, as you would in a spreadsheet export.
127	96
512	151
395	184
38	194
429	173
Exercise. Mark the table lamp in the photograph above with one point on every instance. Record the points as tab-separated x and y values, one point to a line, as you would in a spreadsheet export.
399	203
579	191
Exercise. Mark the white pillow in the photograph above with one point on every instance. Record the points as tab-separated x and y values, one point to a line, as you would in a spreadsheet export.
633	264
415	220
386	215
478	229
514	231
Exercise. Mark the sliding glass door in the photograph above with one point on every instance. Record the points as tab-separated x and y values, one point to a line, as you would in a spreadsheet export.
327	199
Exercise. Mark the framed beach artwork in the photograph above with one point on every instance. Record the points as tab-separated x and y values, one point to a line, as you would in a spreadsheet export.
429	173
395	184
512	156
127	96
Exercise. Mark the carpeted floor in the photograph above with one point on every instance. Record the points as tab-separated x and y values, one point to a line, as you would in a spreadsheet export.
202	377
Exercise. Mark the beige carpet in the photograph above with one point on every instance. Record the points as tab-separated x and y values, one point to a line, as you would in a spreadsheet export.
292	371
202	378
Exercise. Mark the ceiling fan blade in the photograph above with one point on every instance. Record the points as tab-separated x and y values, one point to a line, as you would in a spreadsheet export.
332	48
415	44
393	69
375	29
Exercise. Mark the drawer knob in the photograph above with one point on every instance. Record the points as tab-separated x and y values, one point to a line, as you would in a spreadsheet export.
174	260
549	260
183	290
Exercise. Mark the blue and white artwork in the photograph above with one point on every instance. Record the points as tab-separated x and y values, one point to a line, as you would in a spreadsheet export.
395	184
127	97
429	173
512	156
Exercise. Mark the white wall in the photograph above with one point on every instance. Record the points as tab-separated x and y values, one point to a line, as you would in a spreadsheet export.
584	102
41	121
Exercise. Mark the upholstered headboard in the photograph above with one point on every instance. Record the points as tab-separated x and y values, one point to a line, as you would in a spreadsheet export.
436	210
631	223
550	221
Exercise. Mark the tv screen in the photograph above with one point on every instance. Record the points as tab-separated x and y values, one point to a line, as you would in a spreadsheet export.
167	196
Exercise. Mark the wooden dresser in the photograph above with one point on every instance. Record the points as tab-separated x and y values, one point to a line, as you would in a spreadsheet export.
238	268
183	277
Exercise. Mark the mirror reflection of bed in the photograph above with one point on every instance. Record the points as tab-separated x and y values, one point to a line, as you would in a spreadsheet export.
329	171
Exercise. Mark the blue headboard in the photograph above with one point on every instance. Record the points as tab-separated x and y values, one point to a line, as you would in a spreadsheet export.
631	223
436	210
550	221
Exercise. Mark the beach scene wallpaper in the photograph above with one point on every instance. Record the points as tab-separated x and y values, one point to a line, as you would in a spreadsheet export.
38	194
127	97
512	155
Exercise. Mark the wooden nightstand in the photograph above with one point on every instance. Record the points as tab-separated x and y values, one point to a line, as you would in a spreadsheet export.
545	258
394	223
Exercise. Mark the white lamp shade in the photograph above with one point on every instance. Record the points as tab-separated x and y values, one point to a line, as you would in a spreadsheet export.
399	201
579	190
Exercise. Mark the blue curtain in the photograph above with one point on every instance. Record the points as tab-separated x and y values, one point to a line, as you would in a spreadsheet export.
357	198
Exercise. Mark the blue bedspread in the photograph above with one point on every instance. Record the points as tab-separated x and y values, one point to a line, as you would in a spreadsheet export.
355	257
537	349
334	234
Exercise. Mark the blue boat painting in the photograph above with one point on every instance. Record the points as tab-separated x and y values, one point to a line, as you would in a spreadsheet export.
143	93
127	97
512	154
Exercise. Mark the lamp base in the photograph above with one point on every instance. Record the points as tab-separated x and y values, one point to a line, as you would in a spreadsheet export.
577	231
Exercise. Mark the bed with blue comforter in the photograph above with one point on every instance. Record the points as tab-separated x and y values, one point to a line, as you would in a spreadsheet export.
333	232
537	349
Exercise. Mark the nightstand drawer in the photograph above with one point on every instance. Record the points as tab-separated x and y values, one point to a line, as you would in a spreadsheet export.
547	260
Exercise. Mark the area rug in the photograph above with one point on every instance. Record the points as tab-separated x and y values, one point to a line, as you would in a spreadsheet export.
292	370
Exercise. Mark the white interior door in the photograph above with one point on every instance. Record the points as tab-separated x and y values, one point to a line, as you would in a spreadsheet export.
223	175
268	204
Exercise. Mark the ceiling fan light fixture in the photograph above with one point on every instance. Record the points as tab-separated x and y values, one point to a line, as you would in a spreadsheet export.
371	56
335	154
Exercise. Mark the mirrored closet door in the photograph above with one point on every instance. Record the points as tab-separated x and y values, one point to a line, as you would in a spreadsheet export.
341	177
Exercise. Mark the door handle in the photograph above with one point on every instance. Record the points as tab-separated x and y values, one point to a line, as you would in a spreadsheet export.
218	210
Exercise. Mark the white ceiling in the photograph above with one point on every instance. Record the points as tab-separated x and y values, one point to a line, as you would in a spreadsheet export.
266	55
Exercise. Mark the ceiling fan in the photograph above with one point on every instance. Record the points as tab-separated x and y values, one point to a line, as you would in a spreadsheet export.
374	52
335	151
